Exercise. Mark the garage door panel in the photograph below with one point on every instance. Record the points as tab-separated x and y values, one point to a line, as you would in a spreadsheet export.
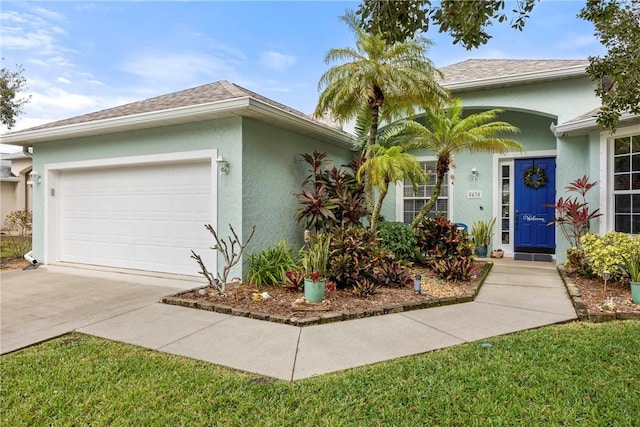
143	217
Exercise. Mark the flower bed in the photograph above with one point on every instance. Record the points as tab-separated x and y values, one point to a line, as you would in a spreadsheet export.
289	308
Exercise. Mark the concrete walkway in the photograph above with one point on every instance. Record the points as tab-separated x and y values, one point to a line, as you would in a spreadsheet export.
38	305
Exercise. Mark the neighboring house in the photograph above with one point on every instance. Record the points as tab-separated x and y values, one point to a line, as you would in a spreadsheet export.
554	105
133	186
15	194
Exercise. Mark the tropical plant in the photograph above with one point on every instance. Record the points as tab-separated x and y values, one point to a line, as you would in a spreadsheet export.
364	288
316	257
393	271
453	269
447	132
632	265
441	238
294	280
268	267
398	238
385	165
389	81
482	231
573	214
330	196
356	255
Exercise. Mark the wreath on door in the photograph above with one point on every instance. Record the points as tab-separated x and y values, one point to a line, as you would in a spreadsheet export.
534	177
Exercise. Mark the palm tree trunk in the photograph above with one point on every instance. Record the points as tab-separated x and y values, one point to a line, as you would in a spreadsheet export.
442	167
376	210
373	134
430	204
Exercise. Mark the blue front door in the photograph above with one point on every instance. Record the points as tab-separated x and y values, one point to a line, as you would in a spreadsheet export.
532	192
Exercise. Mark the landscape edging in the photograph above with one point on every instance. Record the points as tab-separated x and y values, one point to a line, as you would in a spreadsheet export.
582	310
176	299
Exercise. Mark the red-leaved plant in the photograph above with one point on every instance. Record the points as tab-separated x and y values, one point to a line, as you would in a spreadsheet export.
573	215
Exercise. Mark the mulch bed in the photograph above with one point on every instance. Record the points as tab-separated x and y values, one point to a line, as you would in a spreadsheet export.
593	303
289	307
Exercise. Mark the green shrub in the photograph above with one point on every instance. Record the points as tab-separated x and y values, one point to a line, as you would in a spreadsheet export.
607	252
398	238
575	262
440	238
269	266
18	240
357	257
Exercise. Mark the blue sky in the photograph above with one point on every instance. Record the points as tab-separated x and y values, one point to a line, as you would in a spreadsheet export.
86	56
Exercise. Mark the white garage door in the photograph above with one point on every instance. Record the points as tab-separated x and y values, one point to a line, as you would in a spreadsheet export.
145	217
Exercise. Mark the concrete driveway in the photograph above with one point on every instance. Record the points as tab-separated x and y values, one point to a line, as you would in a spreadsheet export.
37	305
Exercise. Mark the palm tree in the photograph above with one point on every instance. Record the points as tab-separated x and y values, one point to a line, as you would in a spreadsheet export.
388	80
388	161
448	133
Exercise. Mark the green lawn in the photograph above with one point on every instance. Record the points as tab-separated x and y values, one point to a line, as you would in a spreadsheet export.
575	374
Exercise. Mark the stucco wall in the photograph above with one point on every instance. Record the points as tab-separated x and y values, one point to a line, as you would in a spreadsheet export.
224	135
564	99
272	172
8	201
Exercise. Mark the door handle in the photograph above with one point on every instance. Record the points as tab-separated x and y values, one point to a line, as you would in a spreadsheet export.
517	219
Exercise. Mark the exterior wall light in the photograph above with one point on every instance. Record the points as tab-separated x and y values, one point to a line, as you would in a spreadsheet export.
224	164
34	177
474	173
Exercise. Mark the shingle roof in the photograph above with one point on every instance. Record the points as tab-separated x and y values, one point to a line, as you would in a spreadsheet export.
5	172
212	92
483	69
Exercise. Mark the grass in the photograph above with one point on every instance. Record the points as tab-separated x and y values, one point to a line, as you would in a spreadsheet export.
580	374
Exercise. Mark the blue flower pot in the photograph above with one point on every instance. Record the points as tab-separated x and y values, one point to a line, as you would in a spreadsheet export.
481	252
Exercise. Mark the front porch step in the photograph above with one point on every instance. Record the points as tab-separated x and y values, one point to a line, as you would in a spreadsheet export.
523	256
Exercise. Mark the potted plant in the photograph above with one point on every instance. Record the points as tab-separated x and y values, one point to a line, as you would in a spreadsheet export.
632	265
482	232
314	262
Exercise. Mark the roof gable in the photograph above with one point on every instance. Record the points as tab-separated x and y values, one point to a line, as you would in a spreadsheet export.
212	92
211	101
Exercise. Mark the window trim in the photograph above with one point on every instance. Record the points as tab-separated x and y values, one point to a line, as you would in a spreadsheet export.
607	168
400	192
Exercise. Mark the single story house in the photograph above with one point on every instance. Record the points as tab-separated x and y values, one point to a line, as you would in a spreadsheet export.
15	192
132	186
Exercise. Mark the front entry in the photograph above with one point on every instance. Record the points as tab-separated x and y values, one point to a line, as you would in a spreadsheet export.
534	187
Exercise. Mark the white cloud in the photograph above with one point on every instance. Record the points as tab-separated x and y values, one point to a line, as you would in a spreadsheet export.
63	80
575	41
178	68
49	14
276	60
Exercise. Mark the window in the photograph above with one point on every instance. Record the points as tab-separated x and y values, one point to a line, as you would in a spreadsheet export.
505	203
626	184
412	201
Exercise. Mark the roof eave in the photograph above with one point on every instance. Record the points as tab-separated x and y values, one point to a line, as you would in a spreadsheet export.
124	123
244	106
585	126
538	76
